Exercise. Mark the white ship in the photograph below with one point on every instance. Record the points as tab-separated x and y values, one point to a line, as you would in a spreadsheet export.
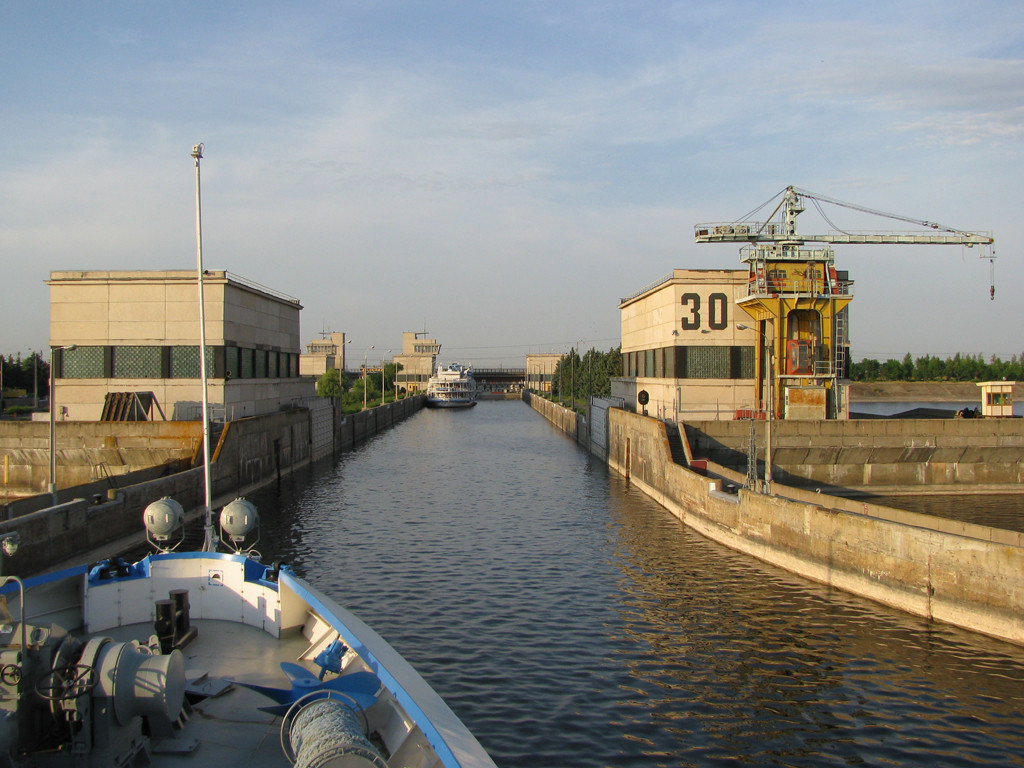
452	387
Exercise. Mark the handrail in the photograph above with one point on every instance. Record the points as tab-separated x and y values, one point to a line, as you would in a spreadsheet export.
262	288
769	285
648	287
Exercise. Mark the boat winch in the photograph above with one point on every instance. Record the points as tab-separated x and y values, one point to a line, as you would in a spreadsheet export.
323	729
98	698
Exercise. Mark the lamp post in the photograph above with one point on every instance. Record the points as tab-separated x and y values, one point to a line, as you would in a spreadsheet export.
382	377
365	379
53	423
770	396
572	379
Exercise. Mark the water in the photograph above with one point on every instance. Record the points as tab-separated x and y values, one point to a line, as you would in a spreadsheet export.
570	621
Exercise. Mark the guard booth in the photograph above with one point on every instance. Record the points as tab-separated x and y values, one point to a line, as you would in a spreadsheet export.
997	399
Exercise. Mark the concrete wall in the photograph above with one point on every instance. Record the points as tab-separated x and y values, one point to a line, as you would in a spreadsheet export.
973	578
877	455
563	418
250	453
89	451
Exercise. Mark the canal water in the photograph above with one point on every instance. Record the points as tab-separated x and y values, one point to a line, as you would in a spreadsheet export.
570	621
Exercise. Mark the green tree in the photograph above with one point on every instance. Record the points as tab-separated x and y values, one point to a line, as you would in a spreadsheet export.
591	374
329	384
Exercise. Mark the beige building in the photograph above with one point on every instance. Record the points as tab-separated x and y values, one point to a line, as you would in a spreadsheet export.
418	358
540	371
322	355
681	346
126	332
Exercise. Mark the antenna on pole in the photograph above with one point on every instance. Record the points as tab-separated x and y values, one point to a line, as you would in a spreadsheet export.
209	532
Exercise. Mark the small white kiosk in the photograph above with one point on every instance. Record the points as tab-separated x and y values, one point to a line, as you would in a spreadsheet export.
997	398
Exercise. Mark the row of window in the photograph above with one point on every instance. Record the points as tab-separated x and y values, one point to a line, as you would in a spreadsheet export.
173	362
690	363
404	377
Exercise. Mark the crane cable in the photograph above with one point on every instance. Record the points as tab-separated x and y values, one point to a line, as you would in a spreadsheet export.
876	212
750	215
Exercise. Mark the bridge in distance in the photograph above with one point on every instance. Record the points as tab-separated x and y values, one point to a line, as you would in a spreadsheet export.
500	379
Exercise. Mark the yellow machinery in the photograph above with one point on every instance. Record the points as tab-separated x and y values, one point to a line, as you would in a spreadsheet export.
799	300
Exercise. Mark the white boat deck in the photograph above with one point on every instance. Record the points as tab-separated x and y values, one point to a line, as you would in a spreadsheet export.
230	729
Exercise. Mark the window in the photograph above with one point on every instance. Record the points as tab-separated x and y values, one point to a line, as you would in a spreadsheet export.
246	367
232	361
137	362
84	363
185	362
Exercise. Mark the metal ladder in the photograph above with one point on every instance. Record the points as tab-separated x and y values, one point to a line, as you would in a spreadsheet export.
839	342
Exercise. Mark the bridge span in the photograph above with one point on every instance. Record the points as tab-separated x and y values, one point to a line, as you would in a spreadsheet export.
500	380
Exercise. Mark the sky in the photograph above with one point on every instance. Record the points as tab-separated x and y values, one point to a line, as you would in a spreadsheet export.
500	174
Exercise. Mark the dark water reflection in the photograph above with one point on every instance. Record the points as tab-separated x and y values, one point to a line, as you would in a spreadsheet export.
570	621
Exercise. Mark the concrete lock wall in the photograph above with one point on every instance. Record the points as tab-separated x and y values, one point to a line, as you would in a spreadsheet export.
250	453
89	451
973	579
877	454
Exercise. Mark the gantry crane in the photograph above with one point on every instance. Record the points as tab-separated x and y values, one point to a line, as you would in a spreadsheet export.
800	300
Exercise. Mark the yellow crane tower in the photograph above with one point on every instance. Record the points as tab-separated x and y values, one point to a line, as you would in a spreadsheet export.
799	301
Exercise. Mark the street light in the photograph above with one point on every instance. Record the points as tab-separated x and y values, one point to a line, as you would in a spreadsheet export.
382	377
770	396
365	355
53	422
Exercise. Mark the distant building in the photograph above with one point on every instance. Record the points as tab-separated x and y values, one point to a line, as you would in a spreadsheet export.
681	346
417	361
540	370
323	354
138	332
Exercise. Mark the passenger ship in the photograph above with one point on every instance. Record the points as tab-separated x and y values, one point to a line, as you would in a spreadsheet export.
452	387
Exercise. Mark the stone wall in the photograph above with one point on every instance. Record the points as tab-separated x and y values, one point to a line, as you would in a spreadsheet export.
876	455
88	451
250	453
972	577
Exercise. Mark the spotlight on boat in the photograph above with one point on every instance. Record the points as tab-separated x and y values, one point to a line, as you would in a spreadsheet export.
162	519
237	520
10	542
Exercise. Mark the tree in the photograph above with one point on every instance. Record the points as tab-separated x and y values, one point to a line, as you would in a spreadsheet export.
591	374
329	385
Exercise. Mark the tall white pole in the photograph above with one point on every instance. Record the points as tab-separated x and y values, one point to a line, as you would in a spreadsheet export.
209	534
53	438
